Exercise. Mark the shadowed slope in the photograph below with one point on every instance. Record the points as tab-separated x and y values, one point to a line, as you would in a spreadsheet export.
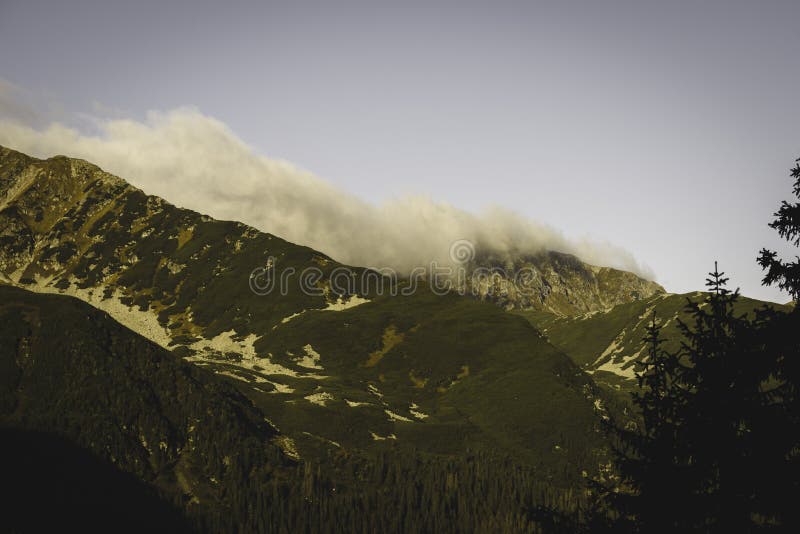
71	370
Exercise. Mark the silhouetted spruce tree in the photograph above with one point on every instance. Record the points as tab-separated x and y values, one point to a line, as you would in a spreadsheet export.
722	380
650	454
693	463
786	275
659	453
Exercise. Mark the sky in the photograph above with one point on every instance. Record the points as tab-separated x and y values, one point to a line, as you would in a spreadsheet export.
666	129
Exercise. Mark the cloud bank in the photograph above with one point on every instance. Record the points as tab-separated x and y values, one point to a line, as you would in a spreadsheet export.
197	162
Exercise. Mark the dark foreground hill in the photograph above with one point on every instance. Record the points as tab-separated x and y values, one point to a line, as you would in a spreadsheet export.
81	391
52	485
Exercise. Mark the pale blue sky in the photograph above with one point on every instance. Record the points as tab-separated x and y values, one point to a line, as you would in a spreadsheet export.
667	128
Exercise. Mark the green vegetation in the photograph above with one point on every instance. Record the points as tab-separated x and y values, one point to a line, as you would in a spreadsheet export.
129	412
462	352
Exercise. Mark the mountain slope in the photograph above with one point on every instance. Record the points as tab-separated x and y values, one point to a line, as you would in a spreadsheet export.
69	226
92	414
72	371
334	370
610	344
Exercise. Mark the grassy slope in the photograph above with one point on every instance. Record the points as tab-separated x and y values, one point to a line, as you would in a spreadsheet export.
486	381
83	402
586	338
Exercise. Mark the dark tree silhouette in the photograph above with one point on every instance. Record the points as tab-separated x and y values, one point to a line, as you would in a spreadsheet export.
786	275
716	447
684	467
647	454
723	384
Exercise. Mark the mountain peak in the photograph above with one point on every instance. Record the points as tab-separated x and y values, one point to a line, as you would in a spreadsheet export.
556	282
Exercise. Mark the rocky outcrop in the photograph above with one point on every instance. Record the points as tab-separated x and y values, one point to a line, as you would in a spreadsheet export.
553	282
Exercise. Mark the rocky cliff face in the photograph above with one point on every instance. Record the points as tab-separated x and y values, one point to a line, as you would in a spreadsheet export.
554	282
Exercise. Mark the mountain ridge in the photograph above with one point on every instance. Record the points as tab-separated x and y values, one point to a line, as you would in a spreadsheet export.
563	284
333	370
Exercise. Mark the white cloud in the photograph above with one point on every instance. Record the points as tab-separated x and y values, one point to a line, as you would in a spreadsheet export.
197	162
